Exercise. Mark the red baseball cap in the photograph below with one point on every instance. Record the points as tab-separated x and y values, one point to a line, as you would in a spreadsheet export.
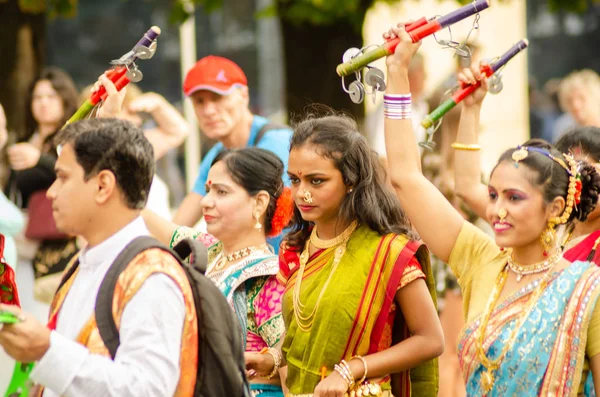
216	74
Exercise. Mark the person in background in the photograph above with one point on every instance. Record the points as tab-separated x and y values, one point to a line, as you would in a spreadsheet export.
11	223
218	89
163	126
579	96
52	99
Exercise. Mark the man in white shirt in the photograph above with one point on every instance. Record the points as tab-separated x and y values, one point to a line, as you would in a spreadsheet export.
104	171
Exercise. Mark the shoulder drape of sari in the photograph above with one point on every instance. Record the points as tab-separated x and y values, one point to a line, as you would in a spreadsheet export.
251	288
581	251
548	354
353	313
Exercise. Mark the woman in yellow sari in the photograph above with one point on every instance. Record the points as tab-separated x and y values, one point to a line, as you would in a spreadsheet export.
358	305
532	321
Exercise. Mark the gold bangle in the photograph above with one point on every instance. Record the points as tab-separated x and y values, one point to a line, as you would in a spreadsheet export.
361	358
342	371
473	147
276	354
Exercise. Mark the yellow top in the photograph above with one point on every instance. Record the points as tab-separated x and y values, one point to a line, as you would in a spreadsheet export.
476	261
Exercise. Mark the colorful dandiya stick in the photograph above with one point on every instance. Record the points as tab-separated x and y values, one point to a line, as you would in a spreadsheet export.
120	75
417	30
467	89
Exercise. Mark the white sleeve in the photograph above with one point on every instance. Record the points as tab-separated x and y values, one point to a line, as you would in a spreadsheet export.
147	361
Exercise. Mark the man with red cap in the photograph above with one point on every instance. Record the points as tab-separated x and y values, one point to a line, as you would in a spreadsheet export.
218	89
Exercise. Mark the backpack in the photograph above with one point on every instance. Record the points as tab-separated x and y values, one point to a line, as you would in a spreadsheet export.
266	128
221	365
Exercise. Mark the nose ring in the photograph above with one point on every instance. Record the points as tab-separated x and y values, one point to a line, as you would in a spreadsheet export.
502	215
307	197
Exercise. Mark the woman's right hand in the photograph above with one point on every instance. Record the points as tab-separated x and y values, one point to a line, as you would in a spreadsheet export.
400	59
113	104
471	76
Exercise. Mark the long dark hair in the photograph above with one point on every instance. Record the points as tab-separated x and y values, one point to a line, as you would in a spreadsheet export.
553	180
255	170
66	89
371	201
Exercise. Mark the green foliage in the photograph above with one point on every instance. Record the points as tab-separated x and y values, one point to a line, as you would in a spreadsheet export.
313	12
63	8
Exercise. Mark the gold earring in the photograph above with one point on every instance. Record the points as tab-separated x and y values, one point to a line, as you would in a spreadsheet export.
502	214
307	197
548	238
257	225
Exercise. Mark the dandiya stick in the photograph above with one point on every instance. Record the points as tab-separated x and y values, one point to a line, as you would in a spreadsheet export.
118	76
467	90
417	30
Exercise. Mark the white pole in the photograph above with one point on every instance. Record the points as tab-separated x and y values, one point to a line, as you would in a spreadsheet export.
187	43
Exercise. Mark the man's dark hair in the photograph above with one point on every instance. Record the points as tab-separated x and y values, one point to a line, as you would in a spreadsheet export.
117	146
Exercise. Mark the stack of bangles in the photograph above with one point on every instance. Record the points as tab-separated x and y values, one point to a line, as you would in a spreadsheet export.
471	147
397	107
276	362
360	388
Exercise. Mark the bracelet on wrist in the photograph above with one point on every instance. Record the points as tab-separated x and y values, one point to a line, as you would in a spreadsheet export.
276	354
472	147
397	106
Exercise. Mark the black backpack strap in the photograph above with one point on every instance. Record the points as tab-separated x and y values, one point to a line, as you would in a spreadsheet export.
104	301
264	129
195	250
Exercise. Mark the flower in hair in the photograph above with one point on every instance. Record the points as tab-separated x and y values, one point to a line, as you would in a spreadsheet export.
578	189
284	209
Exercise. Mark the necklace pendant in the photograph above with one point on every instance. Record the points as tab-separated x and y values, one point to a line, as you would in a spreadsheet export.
519	277
487	380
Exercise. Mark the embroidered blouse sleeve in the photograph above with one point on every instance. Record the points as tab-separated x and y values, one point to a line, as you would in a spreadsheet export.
472	250
183	232
593	338
412	272
267	311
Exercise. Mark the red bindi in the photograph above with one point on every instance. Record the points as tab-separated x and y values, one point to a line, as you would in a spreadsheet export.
300	173
209	183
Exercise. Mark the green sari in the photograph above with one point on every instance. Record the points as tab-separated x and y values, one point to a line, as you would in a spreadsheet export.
357	314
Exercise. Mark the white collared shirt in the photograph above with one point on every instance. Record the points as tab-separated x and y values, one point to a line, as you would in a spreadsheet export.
147	361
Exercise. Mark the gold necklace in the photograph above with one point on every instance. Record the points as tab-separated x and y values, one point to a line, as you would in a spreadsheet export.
306	321
237	255
487	377
324	244
539	267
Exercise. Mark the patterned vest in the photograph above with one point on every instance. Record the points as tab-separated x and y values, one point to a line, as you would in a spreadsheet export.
144	265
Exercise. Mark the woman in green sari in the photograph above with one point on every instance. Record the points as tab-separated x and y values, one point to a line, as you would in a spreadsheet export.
358	302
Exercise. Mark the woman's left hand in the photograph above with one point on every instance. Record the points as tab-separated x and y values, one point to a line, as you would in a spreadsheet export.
23	156
332	386
259	364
